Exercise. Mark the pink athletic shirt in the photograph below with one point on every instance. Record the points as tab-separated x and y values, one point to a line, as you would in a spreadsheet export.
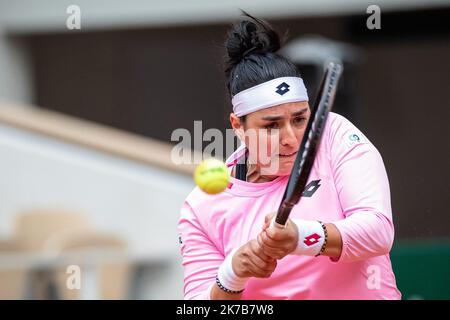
348	186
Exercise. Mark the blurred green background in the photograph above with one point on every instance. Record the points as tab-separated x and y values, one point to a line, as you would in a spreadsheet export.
422	268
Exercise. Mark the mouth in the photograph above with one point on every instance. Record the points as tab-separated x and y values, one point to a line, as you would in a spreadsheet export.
287	155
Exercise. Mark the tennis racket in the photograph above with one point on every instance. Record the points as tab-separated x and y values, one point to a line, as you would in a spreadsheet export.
310	142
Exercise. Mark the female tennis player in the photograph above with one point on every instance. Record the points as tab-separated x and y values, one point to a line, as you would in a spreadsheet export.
336	243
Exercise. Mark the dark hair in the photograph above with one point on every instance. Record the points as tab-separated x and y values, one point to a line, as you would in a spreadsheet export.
252	59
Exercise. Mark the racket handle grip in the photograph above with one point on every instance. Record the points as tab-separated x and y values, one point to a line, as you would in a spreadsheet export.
283	213
274	224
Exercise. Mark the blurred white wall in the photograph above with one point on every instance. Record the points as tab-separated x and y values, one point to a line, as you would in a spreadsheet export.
138	202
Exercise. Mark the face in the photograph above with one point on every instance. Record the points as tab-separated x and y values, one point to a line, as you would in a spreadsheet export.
273	136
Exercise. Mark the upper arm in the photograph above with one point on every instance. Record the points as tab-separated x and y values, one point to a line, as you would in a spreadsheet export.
201	258
359	174
363	188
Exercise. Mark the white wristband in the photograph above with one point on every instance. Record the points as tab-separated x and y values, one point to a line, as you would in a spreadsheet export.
227	277
311	237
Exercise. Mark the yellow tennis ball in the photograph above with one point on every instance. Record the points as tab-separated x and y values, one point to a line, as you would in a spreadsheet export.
212	176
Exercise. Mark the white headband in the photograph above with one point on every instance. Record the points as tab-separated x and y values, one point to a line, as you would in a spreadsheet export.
269	94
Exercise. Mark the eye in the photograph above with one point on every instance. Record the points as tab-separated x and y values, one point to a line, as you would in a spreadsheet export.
272	125
299	120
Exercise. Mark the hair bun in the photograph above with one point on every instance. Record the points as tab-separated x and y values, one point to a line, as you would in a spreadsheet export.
250	36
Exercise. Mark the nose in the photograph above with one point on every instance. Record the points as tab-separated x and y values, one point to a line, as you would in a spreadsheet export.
288	137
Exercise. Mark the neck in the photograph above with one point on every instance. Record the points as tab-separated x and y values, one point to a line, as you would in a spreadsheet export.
254	175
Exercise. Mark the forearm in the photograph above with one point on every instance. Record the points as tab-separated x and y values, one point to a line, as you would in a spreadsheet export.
316	238
364	235
228	285
333	247
219	294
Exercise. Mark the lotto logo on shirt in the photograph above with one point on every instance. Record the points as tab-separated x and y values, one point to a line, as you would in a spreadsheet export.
311	188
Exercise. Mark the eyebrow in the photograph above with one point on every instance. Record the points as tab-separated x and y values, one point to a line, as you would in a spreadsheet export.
275	118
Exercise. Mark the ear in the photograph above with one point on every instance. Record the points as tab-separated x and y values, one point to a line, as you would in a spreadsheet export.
237	126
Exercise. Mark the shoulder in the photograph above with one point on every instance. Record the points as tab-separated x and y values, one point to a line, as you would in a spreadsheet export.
200	204
341	134
337	126
189	218
196	197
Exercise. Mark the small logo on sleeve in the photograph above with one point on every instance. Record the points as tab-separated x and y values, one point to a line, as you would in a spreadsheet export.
353	139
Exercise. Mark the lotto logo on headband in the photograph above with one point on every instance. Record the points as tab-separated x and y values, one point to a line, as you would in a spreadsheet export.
282	88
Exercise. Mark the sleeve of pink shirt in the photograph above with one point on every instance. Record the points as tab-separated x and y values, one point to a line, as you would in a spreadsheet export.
201	258
363	189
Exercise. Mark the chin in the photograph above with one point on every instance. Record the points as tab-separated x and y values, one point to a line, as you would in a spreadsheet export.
284	168
284	173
